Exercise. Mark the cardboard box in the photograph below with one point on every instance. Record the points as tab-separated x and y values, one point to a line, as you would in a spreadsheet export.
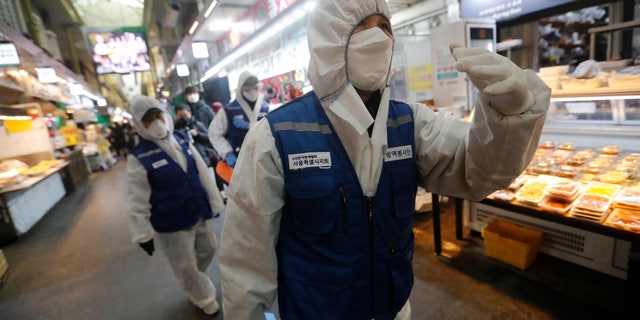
507	242
4	266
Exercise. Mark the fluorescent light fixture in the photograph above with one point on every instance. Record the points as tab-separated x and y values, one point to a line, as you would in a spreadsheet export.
182	70
222	74
275	26
211	6
194	27
60	80
199	50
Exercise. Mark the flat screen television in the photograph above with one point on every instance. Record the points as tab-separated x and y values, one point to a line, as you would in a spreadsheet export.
122	50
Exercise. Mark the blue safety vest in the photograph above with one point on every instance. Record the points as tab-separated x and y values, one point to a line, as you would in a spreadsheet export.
178	199
342	255
235	135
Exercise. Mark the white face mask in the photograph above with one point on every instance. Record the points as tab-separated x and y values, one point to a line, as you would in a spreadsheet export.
251	95
193	98
158	130
369	59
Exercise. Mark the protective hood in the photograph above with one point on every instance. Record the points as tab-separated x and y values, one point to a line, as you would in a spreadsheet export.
139	106
329	29
248	80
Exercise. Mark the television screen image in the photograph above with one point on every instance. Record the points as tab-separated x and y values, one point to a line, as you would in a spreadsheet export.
119	51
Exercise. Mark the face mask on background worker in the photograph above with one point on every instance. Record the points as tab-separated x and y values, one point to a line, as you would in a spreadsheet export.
369	59
193	98
158	129
250	95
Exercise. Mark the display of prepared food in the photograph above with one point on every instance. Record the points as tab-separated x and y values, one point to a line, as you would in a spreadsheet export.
624	219
602	189
531	192
592	169
626	167
10	164
624	80
519	181
555	206
564	190
502	194
628	198
9	177
610	150
547	145
613	177
566	171
592	203
600	162
558	156
567	146
633	158
569	83
598	217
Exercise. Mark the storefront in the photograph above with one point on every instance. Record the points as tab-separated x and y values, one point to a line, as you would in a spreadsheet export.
582	189
39	161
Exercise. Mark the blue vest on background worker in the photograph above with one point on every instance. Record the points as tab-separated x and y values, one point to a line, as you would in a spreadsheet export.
342	255
235	135
178	199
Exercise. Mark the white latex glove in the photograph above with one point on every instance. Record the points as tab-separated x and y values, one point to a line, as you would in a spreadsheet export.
502	82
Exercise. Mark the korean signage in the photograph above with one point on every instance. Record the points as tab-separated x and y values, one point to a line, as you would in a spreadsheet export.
501	10
8	55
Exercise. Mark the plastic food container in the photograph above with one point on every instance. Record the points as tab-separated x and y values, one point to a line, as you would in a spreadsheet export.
628	198
567	191
624	219
555	206
531	192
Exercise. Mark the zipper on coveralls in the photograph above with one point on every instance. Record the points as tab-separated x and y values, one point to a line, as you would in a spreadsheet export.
371	254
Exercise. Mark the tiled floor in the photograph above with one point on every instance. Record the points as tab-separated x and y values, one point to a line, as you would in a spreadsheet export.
78	263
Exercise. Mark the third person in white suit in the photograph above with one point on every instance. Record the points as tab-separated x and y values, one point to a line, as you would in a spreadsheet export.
321	206
229	128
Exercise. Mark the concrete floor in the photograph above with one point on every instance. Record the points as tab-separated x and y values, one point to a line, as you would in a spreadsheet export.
78	263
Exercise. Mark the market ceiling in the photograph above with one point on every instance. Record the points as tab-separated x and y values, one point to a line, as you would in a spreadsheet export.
167	23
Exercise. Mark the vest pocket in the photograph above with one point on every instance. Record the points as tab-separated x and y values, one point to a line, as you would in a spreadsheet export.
401	253
404	190
314	202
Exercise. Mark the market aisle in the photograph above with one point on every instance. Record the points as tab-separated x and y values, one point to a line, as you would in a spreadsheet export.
78	263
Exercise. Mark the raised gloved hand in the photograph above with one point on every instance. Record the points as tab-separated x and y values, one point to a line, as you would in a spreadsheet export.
240	123
231	159
502	82
148	247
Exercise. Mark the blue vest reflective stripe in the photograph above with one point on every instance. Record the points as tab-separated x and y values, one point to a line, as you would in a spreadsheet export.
342	255
177	199
235	135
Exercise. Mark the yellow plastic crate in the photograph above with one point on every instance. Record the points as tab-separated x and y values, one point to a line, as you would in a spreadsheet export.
507	242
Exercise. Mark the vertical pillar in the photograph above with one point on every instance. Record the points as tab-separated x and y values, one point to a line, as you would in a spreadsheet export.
35	36
72	49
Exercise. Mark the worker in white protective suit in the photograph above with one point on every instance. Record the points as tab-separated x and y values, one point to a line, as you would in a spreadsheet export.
228	128
171	196
321	203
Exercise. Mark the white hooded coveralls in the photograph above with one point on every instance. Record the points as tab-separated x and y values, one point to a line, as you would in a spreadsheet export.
455	158
189	251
